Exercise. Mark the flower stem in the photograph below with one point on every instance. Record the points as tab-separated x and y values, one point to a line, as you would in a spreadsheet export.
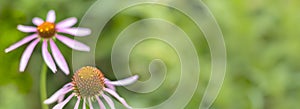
43	87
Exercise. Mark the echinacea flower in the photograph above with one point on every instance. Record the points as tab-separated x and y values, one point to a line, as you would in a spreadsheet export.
47	31
88	84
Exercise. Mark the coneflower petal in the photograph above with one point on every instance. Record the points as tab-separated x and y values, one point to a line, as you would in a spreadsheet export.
108	85
109	101
21	42
84	105
37	21
26	29
59	58
90	104
60	98
69	22
65	89
113	93
76	31
77	103
51	16
26	55
47	57
101	105
125	81
73	43
62	104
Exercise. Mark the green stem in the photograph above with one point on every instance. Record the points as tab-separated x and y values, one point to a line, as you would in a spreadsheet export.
43	85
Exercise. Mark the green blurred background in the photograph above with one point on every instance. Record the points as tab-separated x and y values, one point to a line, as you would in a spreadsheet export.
261	36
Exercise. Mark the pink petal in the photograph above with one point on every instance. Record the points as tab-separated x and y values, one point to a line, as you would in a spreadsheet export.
69	22
125	81
26	29
77	31
60	98
109	101
51	16
83	105
62	104
47	57
37	21
90	104
65	89
26	55
101	105
113	93
59	58
77	103
73	43
108	85
21	42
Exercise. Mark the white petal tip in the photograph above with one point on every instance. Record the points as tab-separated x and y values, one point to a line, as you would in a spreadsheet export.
51	16
88	32
6	51
73	18
19	27
22	69
58	106
87	49
84	48
51	11
47	102
136	76
83	32
67	73
54	71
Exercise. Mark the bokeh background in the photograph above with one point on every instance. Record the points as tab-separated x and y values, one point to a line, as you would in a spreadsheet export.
261	36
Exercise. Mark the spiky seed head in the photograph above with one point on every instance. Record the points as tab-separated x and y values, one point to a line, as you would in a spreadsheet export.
88	82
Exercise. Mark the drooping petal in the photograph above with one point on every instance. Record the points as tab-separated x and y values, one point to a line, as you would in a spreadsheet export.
62	104
61	98
108	85
83	105
26	29
90	104
77	103
73	43
65	89
47	57
26	55
37	21
109	101
59	58
21	42
76	31
51	16
125	81
69	22
113	93
101	105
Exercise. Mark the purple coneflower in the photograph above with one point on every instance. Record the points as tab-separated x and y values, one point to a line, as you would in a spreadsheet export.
88	84
47	31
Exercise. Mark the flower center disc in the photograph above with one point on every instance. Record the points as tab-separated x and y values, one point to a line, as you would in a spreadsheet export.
46	30
88	82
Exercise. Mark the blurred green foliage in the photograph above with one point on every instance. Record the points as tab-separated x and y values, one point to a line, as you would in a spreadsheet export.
261	36
263	59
